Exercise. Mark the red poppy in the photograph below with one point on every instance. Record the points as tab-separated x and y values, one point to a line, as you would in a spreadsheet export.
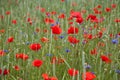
99	6
7	12
106	59
54	60
1	17
37	63
37	30
16	67
44	39
49	20
46	77
62	0
113	5
117	20
61	16
88	36
60	60
6	72
72	30
107	9
88	76
94	51
56	29
79	20
10	39
42	10
2	53
91	17
35	46
2	30
96	11
100	34
22	56
45	31
102	44
53	13
14	22
73	40
29	19
75	14
73	72
0	71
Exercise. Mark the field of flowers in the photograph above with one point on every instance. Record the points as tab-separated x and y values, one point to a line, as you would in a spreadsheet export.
59	39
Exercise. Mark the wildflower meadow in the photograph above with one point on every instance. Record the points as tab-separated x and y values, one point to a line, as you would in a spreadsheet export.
59	39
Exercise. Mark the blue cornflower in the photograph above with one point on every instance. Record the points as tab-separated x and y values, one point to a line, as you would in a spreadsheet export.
117	71
48	54
6	51
115	41
87	66
61	37
67	50
27	43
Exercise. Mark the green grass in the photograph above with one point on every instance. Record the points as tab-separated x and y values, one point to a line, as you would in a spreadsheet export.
79	54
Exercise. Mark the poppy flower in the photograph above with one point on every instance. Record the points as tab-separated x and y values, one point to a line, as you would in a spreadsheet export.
54	60
10	39
107	9
22	56
7	12
42	10
14	22
46	77
117	20
101	44
0	71
73	40
113	5
37	30
99	6
45	31
61	16
29	19
73	72
6	72
60	60
1	17
37	63
2	30
79	20
35	46
16	67
88	36
56	29
94	51
88	76
2	53
100	34
106	59
96	11
53	12
75	14
62	0
73	30
49	20
91	17
44	39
